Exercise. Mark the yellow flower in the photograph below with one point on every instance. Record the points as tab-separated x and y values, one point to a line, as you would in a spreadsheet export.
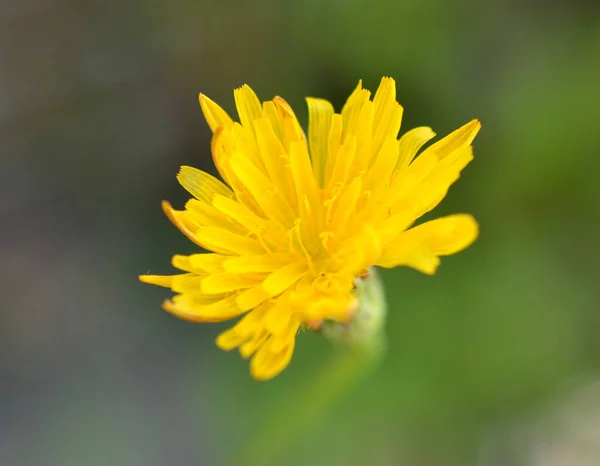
296	221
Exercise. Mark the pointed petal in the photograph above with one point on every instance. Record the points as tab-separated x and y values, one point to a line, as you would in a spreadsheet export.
387	114
291	127
215	116
410	143
459	138
320	113
248	106
353	103
422	197
159	280
214	239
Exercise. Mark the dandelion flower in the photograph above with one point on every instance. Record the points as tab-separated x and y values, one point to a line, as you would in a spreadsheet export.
297	220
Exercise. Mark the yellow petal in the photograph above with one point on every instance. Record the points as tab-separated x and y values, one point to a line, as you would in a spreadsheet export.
339	308
215	116
201	185
273	155
280	280
266	363
362	127
446	235
291	127
346	205
186	309
249	325
181	221
159	280
245	143
390	227
410	143
278	317
216	239
380	173
304	181
412	255
420	198
263	263
252	297
209	263
230	339
455	161
371	246
387	113
182	263
420	246
274	119
207	215
221	148
187	283
352	108
343	163
406	180
351	100
359	252
240	213
255	342
461	137
267	196
320	113
227	282
333	146
281	339
248	106
242	194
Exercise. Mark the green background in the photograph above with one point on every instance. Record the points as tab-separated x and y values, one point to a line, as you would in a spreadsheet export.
493	361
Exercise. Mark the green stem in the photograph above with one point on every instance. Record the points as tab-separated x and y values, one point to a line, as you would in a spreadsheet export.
360	345
307	402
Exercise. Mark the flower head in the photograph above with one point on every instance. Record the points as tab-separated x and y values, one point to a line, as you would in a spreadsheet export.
297	220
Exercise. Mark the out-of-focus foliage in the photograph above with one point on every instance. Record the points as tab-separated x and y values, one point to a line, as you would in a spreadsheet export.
97	111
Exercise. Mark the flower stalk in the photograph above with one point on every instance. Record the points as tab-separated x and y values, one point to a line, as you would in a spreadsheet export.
360	347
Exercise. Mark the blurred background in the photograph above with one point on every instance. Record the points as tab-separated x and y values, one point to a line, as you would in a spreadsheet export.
494	361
